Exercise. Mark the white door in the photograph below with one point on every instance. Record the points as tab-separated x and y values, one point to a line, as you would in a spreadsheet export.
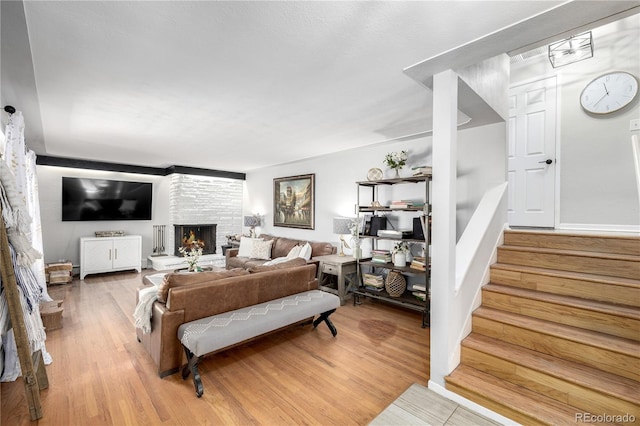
532	148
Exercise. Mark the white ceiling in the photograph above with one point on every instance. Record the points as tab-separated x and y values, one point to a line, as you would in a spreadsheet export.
229	85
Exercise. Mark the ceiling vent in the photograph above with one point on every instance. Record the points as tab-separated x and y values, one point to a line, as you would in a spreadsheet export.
521	57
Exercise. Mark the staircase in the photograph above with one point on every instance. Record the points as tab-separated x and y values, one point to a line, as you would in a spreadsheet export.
557	338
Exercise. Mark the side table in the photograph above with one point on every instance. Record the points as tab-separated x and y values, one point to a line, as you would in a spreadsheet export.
343	267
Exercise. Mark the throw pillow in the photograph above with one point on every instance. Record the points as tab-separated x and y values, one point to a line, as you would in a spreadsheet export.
261	250
298	261
294	252
246	245
305	252
174	279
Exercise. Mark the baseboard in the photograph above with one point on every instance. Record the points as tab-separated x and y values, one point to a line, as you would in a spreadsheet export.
590	227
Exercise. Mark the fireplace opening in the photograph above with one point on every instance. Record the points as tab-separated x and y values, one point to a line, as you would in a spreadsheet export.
204	235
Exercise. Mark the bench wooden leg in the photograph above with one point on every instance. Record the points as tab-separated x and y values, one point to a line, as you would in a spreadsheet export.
192	367
325	317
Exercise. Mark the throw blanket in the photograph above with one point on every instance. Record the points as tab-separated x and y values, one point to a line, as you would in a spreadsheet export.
142	313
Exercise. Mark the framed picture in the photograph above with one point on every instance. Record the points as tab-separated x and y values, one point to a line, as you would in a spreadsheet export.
294	201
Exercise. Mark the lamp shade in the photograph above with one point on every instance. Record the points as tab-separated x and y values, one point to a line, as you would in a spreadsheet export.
251	221
341	225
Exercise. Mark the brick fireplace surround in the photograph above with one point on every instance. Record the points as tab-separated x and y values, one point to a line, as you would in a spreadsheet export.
199	200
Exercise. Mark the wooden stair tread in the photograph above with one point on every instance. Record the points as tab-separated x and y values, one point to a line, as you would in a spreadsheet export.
616	236
605	279
582	375
576	302
565	252
517	398
592	338
610	243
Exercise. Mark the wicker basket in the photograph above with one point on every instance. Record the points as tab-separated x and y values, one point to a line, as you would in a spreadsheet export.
395	284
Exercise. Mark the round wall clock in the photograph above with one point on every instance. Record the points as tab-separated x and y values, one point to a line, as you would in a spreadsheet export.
374	174
609	92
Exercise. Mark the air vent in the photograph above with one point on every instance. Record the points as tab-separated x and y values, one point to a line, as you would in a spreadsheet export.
542	50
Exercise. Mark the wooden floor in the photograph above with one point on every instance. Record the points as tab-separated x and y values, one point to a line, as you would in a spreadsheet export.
101	375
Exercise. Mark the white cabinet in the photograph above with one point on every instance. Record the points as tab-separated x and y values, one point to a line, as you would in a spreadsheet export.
108	254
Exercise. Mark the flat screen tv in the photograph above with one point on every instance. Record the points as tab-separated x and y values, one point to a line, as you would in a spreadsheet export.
102	199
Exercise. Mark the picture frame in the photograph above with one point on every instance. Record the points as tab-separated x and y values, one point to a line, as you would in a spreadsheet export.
294	201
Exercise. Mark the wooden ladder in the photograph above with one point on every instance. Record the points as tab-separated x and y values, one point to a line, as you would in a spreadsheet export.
34	374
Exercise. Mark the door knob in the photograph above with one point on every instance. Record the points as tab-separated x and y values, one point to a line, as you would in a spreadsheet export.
547	161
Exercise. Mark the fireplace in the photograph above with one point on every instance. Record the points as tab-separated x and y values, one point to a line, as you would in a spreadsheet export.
202	234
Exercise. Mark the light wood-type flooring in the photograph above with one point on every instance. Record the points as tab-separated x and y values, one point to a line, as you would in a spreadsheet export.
101	375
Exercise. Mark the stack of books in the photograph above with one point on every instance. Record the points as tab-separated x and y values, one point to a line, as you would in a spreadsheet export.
373	282
380	256
419	291
422	170
401	204
419	263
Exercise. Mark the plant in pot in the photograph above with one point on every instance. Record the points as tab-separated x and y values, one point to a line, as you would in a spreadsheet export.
396	161
400	252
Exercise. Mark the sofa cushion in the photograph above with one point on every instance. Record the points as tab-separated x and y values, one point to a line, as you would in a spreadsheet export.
183	279
243	262
246	246
298	261
261	250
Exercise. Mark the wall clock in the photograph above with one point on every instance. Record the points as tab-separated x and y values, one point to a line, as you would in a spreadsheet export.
609	92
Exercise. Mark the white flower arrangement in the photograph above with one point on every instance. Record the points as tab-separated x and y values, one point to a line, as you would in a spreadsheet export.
396	160
192	255
401	247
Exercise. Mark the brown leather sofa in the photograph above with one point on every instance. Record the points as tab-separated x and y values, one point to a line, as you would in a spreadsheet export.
195	296
280	248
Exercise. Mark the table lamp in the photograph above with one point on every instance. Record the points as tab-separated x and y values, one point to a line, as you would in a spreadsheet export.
252	221
342	226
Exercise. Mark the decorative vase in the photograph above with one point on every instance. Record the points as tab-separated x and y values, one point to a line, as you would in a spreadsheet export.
397	172
357	253
395	284
400	259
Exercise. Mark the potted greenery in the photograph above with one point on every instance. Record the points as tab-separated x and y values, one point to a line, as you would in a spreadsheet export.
400	252
396	161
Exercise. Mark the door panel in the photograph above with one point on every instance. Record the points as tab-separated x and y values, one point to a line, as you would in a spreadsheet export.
532	141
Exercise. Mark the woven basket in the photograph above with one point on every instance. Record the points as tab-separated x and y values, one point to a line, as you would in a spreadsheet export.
395	284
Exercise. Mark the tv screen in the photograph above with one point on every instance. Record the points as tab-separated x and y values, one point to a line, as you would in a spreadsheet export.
102	199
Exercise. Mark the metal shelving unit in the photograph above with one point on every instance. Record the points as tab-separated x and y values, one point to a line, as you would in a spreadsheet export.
407	299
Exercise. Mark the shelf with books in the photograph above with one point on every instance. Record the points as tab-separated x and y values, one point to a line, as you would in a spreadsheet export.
416	272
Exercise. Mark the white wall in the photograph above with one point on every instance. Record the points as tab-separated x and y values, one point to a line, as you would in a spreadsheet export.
596	172
336	175
61	240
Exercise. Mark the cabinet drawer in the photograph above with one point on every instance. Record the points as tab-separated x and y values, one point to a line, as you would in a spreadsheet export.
328	268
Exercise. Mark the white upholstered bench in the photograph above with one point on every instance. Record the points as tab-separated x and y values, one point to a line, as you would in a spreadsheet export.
206	335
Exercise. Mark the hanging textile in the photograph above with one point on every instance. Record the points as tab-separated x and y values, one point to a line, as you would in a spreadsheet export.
22	165
18	196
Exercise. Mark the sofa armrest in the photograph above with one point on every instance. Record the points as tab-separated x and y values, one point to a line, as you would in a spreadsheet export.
231	252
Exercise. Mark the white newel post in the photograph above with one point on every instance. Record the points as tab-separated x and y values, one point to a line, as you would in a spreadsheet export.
445	114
